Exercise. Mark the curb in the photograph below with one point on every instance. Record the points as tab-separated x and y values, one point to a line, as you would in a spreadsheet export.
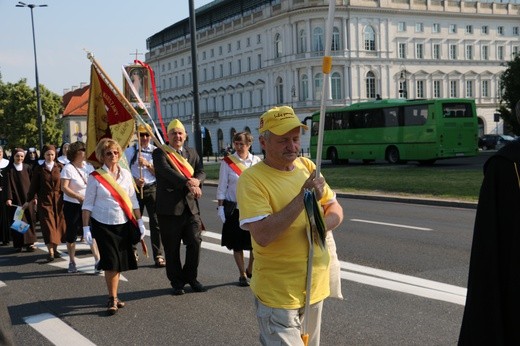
397	199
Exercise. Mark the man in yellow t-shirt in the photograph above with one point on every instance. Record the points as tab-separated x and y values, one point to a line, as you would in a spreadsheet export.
270	199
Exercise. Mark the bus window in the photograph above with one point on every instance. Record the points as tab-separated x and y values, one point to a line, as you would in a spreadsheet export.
390	115
457	110
415	115
315	128
374	118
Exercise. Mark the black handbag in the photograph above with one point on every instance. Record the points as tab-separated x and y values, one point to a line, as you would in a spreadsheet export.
229	208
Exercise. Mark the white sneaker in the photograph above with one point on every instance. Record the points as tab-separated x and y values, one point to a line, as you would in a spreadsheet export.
72	268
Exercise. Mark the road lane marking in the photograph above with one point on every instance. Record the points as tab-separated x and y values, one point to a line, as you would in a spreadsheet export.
392	224
56	331
403	283
379	278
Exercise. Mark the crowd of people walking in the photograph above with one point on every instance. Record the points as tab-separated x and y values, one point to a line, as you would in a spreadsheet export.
70	199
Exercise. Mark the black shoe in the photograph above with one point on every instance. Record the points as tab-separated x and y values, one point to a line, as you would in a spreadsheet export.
249	275
242	282
178	291
197	286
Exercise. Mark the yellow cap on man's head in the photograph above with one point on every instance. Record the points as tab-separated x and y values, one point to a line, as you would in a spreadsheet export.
175	124
280	120
144	128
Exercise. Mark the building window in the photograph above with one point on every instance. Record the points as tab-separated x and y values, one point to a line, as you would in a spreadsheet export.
452	29
419	92
239	66
436	88
515	51
259	58
419	51
221	70
230	68
500	52
220	50
402	50
335	83
484	30
278	90
248	63
371	85
469	52
277	46
248	42
436	51
453	51
229	48
516	30
304	88
453	88
419	27
318	81
436	28
335	39
469	29
401	26
485	88
370	38
302	41
469	88
238	45
258	39
500	30
484	53
317	39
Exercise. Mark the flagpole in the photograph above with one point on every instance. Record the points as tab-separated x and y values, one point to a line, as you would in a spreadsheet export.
327	66
138	157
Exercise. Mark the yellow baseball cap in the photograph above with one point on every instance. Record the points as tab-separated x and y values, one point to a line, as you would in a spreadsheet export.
144	128
175	124
280	120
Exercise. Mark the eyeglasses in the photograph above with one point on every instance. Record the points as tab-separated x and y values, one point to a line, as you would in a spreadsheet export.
111	153
144	134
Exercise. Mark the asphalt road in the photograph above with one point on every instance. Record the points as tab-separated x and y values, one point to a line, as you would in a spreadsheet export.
404	269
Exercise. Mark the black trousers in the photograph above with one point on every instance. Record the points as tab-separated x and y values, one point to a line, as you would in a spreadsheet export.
174	229
148	201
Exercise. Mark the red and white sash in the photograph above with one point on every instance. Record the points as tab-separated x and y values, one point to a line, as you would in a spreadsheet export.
180	163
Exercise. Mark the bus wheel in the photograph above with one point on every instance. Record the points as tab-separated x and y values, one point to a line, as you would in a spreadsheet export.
392	155
333	157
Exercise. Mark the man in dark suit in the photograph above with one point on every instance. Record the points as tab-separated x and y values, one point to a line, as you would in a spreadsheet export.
179	172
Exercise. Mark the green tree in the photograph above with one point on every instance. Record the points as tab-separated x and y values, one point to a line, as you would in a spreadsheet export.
510	86
19	115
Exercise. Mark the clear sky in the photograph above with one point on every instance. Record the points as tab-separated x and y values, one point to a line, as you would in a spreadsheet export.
111	29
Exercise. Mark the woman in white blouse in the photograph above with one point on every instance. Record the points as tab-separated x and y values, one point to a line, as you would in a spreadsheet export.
74	178
110	208
233	237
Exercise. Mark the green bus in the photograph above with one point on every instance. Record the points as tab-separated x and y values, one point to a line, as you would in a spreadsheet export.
398	130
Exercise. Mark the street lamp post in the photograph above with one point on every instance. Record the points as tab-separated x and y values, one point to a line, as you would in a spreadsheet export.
38	96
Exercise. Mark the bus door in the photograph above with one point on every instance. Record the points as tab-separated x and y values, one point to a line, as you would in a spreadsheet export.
457	128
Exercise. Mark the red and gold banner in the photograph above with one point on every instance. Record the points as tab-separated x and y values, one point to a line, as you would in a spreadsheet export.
107	116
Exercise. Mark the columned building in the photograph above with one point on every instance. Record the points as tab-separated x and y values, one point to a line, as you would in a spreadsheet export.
256	54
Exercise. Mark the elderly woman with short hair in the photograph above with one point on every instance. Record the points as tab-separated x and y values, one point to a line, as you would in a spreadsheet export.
110	215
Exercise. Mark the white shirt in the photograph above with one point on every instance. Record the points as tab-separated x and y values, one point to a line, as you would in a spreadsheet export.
77	179
63	159
146	153
99	201
227	178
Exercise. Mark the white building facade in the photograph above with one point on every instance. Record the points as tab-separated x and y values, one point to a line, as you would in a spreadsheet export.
256	54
